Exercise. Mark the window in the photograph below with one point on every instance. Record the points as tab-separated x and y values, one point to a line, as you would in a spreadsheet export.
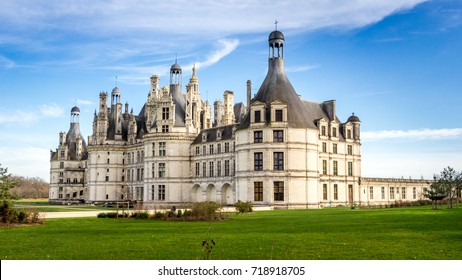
258	136
161	192
278	191
350	168
161	170
108	161
403	193
350	150
324	191
335	192
162	151
204	150
335	167
278	160
324	147
371	192
138	174
165	113
414	192
107	179
278	115
257	116
198	169
324	167
165	128
278	136
334	132
392	193
226	147
258	191
258	161
62	154
153	149
348	133
152	192
211	149
219	168
211	169
218	148
323	130
382	192
204	169
197	150
61	164
226	167
334	148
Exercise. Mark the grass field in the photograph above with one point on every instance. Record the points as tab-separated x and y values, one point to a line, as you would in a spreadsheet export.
341	234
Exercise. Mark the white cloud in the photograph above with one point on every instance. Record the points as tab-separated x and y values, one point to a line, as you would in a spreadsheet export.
302	68
83	102
51	110
417	134
225	47
26	161
6	63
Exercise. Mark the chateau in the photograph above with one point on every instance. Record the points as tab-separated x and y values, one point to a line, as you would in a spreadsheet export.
276	150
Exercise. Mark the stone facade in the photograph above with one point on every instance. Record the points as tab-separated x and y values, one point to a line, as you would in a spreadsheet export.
277	150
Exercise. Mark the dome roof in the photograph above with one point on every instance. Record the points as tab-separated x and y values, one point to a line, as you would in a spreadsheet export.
175	68
75	109
276	35
116	91
353	118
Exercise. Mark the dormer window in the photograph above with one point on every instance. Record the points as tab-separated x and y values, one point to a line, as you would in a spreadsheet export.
257	116
218	134
165	113
323	130
204	137
334	132
348	133
278	115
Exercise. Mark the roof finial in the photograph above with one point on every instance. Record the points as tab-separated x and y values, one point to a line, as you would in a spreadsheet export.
116	81
276	25
176	56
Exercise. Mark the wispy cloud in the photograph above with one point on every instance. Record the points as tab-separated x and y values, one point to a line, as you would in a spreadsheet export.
30	116
417	134
83	102
226	46
6	63
302	68
51	110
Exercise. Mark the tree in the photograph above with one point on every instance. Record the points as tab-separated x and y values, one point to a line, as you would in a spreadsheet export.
445	185
6	184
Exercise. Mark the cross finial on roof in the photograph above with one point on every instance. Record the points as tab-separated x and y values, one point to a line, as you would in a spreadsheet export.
276	24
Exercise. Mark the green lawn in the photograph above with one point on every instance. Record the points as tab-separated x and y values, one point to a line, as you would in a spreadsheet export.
406	233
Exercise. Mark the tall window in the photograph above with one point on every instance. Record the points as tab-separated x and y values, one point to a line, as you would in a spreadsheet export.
278	116
323	130
204	169
153	192
350	149
211	169
198	169
61	164
371	192
226	147
335	163
161	192
165	128
382	192
257	115
211	149
153	150
165	113
204	150
161	170
335	191
258	136
350	168
324	191
392	193
324	167
334	148
219	168
258	191
403	193
278	160
218	148
278	136
198	150
278	191
334	132
414	192
258	161
162	150
153	170
348	133
226	167
324	147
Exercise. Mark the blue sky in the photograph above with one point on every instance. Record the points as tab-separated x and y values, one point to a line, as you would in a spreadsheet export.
395	64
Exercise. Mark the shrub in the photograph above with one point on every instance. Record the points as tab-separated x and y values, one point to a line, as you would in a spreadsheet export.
140	215
243	207
205	211
101	215
158	215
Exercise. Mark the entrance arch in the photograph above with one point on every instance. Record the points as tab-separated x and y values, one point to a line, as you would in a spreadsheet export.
196	193
211	193
227	197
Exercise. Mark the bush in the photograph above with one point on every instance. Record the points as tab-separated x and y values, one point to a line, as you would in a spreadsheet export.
205	211
243	207
140	215
101	215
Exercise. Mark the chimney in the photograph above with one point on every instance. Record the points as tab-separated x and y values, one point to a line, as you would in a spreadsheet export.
249	93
